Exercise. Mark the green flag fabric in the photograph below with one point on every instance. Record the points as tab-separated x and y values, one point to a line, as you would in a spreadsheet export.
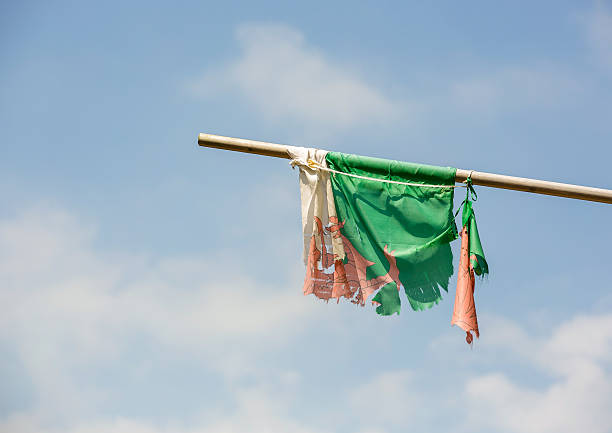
477	258
398	235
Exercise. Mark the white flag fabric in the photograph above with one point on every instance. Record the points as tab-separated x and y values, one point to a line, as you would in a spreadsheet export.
317	200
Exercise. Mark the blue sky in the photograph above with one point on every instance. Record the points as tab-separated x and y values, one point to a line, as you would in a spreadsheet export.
151	286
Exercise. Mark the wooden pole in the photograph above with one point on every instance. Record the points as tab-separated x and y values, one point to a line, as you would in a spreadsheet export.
478	177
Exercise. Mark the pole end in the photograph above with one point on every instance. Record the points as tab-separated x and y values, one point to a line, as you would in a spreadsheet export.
201	139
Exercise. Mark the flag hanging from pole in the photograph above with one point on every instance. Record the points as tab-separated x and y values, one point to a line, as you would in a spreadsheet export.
374	228
380	237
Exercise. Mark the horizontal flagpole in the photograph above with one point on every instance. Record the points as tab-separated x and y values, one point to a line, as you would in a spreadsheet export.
478	178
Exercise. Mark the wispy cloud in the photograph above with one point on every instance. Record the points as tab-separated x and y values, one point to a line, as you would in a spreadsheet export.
69	307
579	395
599	33
284	79
287	81
74	308
515	87
256	411
487	393
390	395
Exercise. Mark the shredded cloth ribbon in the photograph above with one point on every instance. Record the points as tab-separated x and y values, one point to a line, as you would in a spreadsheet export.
471	261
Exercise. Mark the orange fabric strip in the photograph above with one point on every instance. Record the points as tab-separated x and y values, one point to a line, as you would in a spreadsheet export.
464	314
327	278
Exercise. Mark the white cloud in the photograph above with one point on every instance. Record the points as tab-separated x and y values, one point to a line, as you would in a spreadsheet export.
67	306
599	33
285	79
513	88
487	390
386	399
579	397
74	307
256	411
